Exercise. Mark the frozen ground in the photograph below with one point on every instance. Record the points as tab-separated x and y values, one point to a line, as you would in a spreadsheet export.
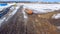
3	7
43	8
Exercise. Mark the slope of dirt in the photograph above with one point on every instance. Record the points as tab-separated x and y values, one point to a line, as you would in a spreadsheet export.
37	25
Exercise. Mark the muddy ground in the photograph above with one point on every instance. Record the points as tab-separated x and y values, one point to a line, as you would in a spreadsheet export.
34	25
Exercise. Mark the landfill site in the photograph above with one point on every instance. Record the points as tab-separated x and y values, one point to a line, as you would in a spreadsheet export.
29	18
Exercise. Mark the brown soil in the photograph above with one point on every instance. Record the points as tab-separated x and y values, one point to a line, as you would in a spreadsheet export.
34	25
37	25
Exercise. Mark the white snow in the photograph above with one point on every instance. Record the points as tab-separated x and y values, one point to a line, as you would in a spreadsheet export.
42	8
56	16
3	7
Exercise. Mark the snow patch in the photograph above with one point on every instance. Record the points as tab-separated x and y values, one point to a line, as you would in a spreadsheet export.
56	16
